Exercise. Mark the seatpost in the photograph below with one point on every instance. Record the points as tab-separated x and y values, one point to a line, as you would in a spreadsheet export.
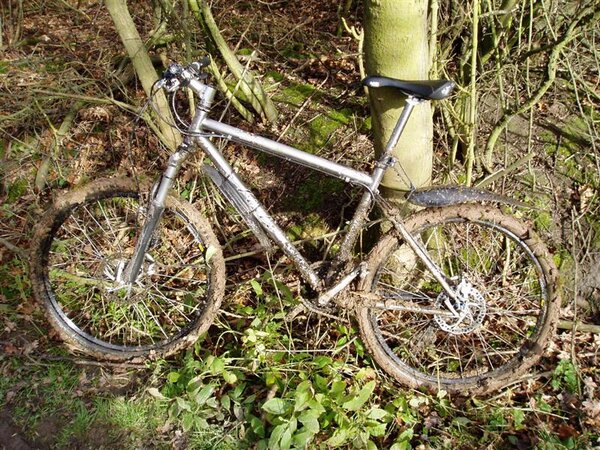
411	102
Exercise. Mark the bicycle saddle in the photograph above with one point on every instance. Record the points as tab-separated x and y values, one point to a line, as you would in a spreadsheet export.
425	89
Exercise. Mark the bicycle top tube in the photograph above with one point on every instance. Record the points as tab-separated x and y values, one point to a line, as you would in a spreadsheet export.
201	122
289	153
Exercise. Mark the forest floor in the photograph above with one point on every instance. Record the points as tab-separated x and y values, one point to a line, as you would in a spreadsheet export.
60	58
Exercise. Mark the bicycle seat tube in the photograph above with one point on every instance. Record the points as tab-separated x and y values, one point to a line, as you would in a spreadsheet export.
384	162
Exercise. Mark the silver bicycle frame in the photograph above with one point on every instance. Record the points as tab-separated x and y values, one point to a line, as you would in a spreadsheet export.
250	206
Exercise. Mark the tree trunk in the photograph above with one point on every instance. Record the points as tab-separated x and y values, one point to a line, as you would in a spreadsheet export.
396	45
143	67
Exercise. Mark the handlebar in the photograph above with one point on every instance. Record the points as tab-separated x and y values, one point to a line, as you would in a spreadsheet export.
177	75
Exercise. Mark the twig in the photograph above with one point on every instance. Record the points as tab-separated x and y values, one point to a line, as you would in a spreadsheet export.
551	68
577	326
253	91
22	253
470	159
359	36
503	172
37	358
218	77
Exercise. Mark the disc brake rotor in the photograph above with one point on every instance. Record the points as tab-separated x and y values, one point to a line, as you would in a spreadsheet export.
471	309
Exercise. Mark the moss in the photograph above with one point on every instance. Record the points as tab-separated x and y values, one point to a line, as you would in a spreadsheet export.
17	189
566	267
595	226
275	76
294	50
323	126
311	227
295	94
543	220
571	150
315	192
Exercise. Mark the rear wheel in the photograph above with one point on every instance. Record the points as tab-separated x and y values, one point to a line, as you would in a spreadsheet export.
80	250
504	314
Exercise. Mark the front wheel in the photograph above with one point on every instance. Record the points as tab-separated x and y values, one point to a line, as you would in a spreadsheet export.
80	249
496	328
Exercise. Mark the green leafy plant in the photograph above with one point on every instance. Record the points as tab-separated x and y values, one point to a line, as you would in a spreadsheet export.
565	376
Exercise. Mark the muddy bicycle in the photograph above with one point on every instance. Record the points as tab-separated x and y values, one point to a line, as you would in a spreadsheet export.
458	296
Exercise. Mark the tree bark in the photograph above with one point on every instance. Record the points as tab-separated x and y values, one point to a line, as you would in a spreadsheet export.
143	67
396	45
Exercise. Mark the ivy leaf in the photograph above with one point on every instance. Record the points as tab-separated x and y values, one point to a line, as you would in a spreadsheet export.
377	429
377	414
188	422
310	420
257	288
356	402
183	405
276	435
371	445
340	436
286	439
201	397
302	438
229	377
275	406
302	398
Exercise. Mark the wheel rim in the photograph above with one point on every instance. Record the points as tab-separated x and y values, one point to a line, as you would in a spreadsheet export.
504	322
92	243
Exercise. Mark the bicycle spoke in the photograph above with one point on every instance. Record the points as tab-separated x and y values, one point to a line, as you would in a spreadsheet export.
90	249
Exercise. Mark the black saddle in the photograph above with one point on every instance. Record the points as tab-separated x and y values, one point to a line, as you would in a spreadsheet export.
425	89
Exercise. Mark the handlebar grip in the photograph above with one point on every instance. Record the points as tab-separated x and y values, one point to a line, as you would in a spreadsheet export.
197	66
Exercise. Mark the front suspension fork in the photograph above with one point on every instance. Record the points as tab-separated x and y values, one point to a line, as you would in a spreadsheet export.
156	207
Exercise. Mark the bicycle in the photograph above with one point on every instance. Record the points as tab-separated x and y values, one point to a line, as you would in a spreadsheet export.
459	296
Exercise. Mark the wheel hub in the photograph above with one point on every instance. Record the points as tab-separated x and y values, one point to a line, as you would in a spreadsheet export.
469	309
115	271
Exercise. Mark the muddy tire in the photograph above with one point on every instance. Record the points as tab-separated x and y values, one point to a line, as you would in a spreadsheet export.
508	303
86	238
